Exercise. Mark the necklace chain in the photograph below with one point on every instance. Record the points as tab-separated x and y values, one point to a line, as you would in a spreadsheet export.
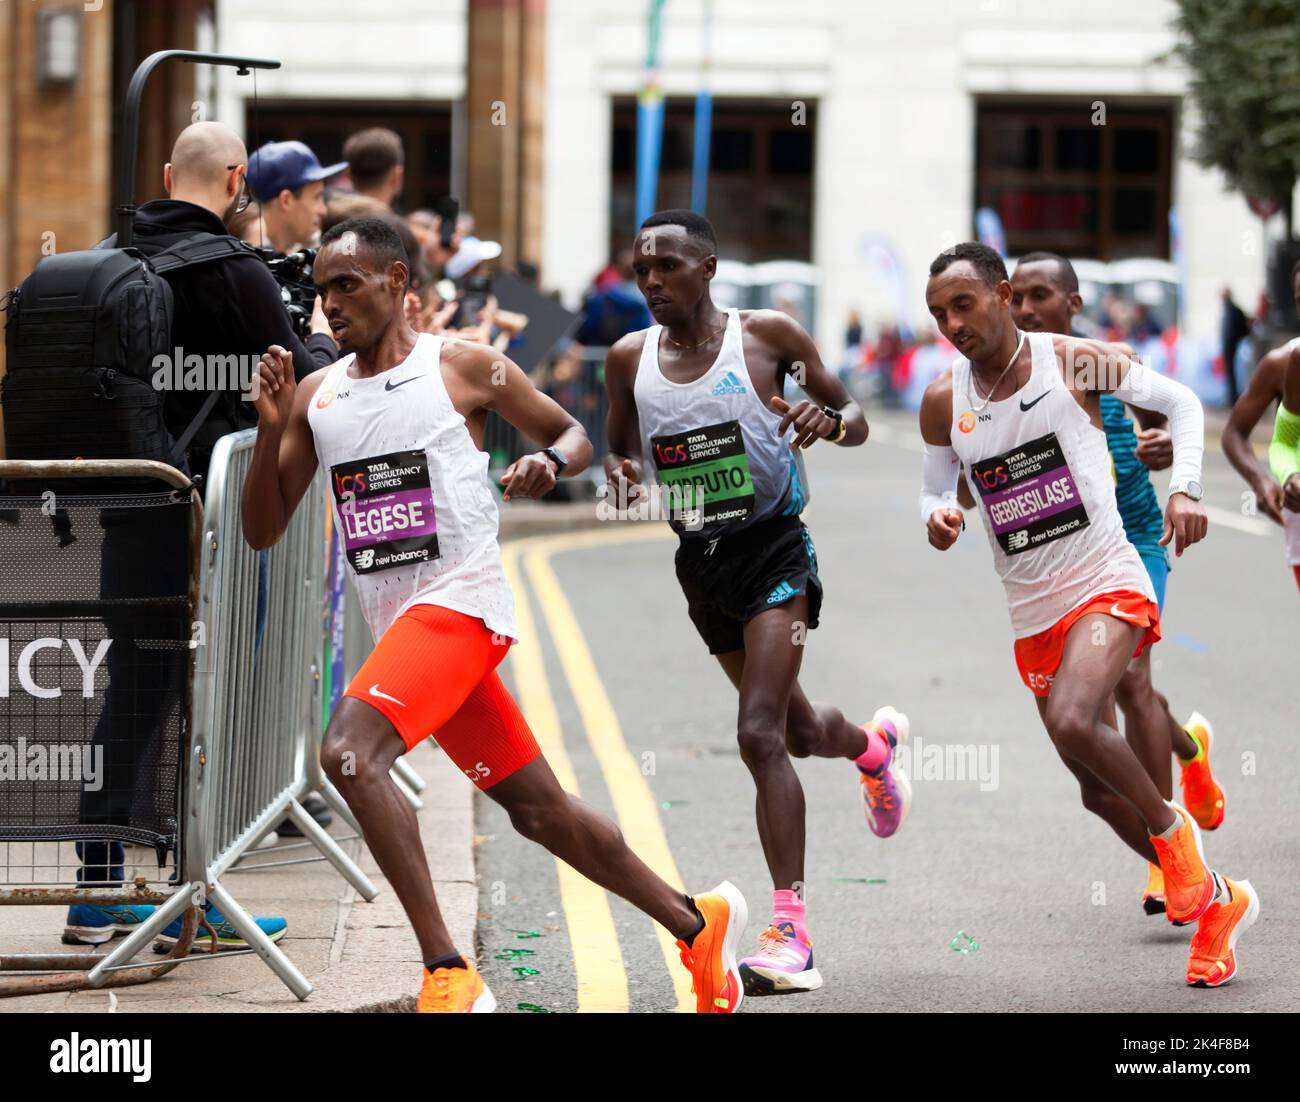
699	344
992	390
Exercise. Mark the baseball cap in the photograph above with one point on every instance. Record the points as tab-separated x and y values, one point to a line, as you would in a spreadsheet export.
470	255
285	166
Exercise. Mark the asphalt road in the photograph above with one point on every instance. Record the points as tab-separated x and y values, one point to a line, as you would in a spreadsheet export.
997	845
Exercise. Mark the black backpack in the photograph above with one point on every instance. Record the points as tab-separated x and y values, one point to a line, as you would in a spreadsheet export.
81	336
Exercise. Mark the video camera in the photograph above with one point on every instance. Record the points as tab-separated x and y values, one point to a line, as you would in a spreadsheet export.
294	275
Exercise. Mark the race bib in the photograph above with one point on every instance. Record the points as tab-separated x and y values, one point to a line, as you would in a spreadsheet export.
385	511
1029	495
706	470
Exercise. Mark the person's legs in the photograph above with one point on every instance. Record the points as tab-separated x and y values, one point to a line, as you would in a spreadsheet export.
771	665
1108	805
359	749
1147	722
1095	653
1097	650
544	813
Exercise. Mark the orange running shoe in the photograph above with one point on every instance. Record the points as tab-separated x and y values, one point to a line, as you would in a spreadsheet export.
1153	898
1189	885
711	959
455	991
1212	961
1201	793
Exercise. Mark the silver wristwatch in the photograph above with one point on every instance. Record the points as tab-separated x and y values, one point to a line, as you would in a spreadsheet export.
1191	488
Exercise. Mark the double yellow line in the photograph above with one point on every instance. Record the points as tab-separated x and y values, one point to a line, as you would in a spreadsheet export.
597	956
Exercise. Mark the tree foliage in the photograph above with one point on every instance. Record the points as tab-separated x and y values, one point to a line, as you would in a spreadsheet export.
1244	57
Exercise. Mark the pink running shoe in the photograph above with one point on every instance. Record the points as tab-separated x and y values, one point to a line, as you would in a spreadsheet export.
782	965
887	793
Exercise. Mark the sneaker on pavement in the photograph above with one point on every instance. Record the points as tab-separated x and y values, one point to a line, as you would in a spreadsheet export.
455	991
887	793
1202	795
227	936
782	965
1212	959
87	925
711	957
1189	884
1153	896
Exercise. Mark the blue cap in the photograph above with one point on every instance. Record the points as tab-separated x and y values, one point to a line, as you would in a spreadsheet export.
285	166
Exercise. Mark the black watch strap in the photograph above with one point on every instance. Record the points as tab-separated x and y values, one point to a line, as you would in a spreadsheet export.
557	457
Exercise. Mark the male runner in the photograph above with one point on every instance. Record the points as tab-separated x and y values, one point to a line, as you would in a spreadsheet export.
1044	298
698	397
399	422
1284	452
1264	389
1022	412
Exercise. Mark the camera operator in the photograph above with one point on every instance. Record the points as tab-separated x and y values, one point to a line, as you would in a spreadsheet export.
228	307
288	182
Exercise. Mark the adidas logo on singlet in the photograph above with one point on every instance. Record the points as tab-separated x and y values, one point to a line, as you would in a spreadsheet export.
729	384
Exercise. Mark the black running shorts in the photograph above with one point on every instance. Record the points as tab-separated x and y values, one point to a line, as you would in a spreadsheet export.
729	581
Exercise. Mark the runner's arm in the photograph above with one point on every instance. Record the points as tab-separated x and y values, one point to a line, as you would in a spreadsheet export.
1135	384
798	356
539	417
284	453
1264	388
940	467
622	426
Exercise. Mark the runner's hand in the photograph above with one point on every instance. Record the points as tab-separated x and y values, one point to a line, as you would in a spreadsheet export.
275	387
809	422
1291	493
1269	498
624	487
531	476
943	527
1185	522
1155	449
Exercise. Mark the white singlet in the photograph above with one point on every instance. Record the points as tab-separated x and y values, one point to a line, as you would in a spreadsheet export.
1041	472
714	441
412	502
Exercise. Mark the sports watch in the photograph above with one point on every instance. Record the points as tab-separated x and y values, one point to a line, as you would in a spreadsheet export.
840	427
557	457
1191	488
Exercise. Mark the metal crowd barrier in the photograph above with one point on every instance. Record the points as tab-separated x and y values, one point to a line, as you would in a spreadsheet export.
59	551
253	721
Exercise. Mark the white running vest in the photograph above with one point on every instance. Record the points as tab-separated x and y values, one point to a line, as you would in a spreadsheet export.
412	502
714	437
1041	472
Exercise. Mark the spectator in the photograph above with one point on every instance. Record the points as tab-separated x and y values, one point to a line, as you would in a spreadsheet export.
613	308
853	330
220	309
248	226
1234	327
470	256
377	162
288	183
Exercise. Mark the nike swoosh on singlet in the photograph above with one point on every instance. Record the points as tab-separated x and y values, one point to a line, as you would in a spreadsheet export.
390	385
1026	408
374	691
